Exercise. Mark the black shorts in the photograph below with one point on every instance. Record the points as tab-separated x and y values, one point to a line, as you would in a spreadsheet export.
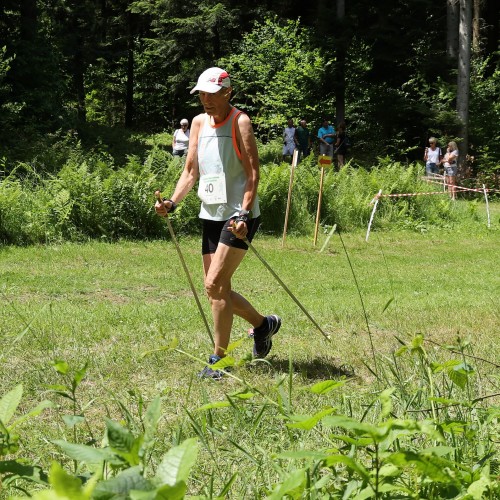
215	232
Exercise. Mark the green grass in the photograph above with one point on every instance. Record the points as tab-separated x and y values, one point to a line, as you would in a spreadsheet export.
110	303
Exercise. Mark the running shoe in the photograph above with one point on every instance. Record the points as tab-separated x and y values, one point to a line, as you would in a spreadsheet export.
263	334
209	372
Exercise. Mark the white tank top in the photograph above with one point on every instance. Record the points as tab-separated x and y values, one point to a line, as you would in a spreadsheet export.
218	153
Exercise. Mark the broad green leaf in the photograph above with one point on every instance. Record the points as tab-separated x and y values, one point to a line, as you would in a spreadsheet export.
417	342
177	463
79	375
16	470
143	495
215	404
60	366
358	442
32	413
434	467
350	463
234	345
242	395
72	420
454	427
151	419
293	485
128	480
170	347
57	387
350	423
386	402
167	492
440	367
367	492
326	386
223	363
9	403
439	451
402	350
307	422
389	470
64	484
87	454
119	438
478	488
459	374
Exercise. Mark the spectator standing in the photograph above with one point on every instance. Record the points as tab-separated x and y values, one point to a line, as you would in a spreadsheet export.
432	157
341	144
303	139
450	167
180	140
289	140
326	136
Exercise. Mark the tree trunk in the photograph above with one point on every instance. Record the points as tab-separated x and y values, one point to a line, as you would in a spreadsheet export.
463	81
79	81
341	49
129	99
476	26
452	21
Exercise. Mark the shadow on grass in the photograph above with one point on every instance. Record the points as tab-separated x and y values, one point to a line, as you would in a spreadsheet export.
320	368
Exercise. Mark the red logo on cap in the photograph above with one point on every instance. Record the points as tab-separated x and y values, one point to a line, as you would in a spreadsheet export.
222	77
219	80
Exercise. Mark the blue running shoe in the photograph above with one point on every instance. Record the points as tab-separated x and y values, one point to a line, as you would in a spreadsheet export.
262	336
209	372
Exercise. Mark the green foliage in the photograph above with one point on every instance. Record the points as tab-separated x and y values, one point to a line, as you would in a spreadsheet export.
126	454
447	452
277	75
9	440
91	198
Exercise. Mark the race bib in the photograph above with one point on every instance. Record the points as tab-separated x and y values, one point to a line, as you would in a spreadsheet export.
212	189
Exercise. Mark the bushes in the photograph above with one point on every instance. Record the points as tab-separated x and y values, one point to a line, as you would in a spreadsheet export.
90	198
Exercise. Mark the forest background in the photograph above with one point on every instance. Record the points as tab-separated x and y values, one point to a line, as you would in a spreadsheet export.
98	73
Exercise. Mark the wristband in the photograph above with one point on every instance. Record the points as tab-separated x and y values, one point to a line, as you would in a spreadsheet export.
173	207
242	218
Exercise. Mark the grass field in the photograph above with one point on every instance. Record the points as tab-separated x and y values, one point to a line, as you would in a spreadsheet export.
108	304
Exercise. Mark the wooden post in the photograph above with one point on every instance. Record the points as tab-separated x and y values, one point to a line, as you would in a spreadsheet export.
487	204
319	205
289	199
375	203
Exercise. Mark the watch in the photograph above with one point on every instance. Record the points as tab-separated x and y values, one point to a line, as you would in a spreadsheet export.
245	213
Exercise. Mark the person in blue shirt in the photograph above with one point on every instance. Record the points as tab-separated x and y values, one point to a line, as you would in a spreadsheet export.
326	136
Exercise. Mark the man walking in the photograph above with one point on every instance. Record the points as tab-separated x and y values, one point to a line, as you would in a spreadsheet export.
223	156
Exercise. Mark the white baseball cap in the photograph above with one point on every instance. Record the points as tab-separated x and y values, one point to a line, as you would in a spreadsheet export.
184	122
212	80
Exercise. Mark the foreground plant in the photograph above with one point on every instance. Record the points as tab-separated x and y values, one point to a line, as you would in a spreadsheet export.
118	469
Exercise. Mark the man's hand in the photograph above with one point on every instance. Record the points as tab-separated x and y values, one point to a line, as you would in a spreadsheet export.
163	206
238	228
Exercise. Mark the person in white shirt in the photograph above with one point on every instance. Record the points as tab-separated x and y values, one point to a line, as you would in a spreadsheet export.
180	140
289	140
450	163
432	157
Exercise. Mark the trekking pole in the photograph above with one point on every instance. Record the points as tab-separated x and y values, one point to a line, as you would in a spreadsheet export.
186	270
287	290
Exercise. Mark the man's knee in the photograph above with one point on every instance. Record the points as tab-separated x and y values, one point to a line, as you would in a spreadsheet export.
214	289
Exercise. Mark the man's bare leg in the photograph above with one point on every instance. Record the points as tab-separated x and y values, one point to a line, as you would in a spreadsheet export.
219	269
